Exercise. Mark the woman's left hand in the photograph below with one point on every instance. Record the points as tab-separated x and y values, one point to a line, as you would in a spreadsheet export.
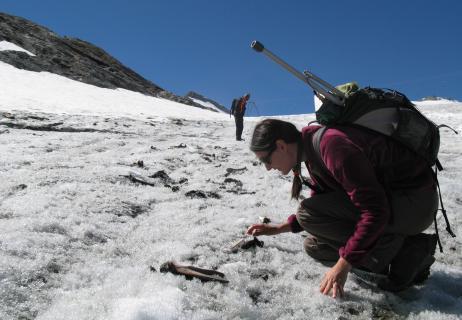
335	279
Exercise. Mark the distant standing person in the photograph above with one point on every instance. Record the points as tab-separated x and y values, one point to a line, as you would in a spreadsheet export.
238	110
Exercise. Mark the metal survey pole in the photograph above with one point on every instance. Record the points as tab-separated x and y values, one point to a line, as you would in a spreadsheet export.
319	85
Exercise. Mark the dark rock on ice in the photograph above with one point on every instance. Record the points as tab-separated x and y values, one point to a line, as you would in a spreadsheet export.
202	194
163	177
230	171
191	272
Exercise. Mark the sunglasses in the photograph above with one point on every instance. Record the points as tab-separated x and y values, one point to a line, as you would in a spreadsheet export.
267	159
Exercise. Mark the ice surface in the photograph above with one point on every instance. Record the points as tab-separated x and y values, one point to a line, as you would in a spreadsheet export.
78	238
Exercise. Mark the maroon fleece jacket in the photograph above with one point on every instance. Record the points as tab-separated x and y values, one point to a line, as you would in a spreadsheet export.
356	159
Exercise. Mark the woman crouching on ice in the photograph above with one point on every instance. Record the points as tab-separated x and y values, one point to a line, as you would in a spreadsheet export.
371	198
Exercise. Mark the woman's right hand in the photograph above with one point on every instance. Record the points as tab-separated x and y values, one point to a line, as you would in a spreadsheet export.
263	229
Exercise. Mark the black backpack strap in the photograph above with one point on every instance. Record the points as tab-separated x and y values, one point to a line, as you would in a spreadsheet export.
446	126
439	167
443	210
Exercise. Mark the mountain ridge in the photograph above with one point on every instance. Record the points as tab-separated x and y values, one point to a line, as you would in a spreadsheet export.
73	58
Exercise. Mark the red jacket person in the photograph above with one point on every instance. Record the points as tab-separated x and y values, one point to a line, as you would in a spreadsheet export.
238	108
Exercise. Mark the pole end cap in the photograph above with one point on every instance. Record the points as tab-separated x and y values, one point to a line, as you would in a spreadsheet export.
257	46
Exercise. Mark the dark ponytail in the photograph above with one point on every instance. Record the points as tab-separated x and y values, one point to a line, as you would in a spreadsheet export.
264	138
297	183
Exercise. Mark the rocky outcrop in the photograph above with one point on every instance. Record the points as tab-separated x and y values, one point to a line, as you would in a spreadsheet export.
435	98
185	100
72	58
195	95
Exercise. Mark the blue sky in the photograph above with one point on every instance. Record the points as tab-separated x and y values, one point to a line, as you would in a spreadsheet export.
200	45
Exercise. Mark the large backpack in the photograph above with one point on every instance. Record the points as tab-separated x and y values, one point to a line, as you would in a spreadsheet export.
234	105
390	113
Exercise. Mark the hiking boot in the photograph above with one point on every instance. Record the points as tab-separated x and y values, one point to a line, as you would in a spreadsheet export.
319	250
423	275
367	275
411	264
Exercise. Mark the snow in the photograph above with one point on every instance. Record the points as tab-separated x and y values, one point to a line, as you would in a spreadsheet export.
8	46
48	92
78	238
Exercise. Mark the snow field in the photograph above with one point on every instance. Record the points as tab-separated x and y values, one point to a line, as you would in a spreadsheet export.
78	238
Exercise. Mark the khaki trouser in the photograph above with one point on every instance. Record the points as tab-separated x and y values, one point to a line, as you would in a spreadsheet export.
331	218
